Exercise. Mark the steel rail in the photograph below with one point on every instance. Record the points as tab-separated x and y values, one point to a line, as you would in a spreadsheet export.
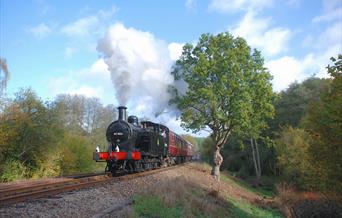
18	194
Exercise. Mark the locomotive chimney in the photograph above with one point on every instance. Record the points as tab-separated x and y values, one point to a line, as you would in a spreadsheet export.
122	113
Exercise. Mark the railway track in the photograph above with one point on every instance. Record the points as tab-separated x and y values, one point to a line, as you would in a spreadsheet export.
20	192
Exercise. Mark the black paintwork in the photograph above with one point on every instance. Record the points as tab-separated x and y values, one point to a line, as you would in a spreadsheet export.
150	139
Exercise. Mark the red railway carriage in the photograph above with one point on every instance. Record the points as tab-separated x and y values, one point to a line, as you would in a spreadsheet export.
179	148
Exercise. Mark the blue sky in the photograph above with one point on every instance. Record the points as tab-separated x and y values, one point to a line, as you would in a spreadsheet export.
54	46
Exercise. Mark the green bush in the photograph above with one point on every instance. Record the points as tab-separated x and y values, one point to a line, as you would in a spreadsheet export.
293	156
50	166
76	156
13	170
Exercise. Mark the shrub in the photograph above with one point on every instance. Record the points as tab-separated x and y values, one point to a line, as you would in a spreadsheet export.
76	156
13	170
51	166
293	158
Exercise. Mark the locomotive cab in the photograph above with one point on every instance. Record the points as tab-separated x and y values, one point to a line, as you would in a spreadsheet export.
154	139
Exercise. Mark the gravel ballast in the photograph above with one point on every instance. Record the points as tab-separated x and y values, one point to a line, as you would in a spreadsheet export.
98	201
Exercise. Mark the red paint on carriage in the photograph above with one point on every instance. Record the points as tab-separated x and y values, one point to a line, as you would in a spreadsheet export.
178	146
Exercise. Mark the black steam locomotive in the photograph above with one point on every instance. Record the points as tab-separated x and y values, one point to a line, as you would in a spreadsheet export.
135	147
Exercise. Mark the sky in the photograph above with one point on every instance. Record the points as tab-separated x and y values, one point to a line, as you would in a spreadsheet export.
122	51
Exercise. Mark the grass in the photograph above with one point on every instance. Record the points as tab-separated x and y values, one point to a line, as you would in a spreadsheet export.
179	197
194	194
266	190
152	206
245	209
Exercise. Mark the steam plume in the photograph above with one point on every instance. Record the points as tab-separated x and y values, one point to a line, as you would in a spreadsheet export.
140	68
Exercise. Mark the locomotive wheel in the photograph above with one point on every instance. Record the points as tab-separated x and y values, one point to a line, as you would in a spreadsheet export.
149	166
141	166
131	167
138	166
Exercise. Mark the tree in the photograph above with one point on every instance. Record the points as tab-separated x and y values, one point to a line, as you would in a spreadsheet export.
28	131
262	108
85	116
223	76
4	75
292	104
71	112
292	154
324	121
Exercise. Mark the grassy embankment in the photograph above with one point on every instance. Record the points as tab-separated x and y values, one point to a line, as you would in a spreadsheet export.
195	194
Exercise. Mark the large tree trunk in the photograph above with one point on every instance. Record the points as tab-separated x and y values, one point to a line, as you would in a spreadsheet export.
218	159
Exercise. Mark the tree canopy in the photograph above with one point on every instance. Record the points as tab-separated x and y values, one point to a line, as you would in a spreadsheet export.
228	88
50	138
292	104
324	121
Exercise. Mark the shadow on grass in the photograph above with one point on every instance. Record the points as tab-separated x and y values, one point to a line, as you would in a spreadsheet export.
265	189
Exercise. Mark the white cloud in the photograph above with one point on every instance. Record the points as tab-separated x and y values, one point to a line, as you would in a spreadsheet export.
175	50
334	14
99	68
232	6
88	26
331	36
93	81
87	91
84	32
40	31
107	14
332	11
81	27
326	44
259	33
288	69
285	71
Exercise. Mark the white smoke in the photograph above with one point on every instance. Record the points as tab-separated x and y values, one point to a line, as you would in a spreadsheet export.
140	68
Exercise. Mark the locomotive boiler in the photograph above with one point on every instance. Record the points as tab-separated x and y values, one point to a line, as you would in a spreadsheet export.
135	146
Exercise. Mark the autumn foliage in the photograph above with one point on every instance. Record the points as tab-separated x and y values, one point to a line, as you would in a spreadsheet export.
41	139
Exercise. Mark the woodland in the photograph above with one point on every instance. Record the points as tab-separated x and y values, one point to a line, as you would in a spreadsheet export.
292	137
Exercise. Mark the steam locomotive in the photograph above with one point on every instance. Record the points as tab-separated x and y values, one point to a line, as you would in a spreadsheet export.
135	147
